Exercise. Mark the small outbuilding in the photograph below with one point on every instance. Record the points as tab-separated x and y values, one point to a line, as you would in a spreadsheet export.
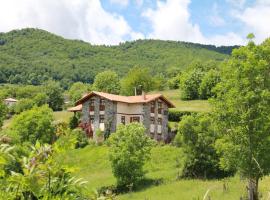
10	101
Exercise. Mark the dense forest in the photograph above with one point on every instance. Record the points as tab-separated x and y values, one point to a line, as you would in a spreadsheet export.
33	56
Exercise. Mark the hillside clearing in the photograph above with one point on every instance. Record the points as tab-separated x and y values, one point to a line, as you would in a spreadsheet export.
194	105
91	163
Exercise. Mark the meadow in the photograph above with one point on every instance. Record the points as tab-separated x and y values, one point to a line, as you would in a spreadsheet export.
181	105
92	164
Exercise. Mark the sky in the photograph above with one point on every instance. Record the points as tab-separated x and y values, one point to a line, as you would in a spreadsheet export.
218	22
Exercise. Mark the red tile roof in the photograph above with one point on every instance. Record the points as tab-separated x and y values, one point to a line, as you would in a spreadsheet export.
76	108
126	99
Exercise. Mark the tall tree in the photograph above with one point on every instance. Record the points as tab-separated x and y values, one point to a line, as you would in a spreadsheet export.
55	95
77	90
3	112
34	124
137	79
107	81
241	111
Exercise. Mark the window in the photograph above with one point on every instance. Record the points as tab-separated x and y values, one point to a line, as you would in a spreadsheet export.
101	119
159	107
92	119
102	105
134	119
123	120
159	121
152	119
152	107
92	104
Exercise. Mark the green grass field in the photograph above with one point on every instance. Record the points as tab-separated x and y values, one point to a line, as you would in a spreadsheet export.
193	105
91	163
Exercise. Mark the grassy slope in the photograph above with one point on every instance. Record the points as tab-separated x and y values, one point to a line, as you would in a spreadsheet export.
194	105
91	163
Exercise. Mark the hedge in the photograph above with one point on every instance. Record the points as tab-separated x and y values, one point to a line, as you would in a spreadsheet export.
176	115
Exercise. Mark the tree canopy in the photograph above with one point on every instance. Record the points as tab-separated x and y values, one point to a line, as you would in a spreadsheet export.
107	81
241	110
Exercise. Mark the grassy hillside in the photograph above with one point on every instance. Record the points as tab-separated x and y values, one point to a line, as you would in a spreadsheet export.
92	164
193	105
32	56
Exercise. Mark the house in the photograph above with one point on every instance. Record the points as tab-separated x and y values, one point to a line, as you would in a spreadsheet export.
105	111
10	101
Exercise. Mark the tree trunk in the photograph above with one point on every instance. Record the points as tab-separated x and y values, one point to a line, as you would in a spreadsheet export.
253	189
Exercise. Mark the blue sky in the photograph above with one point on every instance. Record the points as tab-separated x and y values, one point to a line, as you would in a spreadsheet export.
219	22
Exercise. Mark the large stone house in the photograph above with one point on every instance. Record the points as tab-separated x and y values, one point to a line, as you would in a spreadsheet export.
105	111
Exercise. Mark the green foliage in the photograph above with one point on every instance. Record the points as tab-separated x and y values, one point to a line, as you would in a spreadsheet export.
173	83
190	81
42	176
77	90
81	138
68	61
177	115
107	81
197	137
55	95
74	121
3	112
22	105
130	148
241	111
32	125
209	81
139	78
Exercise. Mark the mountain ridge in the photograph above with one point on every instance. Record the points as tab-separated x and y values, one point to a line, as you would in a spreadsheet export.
31	56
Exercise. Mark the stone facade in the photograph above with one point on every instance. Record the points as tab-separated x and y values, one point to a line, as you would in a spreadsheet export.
111	121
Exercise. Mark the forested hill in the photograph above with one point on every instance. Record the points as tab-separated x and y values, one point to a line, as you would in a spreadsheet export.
31	56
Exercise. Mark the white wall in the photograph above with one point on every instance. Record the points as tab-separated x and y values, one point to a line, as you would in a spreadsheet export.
129	108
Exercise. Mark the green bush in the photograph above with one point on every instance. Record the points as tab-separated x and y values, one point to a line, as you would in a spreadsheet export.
82	139
176	115
129	149
34	124
197	137
74	122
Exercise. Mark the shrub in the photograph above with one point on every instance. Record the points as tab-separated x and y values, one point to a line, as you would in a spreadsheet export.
82	139
209	81
34	124
74	122
129	149
197	137
176	115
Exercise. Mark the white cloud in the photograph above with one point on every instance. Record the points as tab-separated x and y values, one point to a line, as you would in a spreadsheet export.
170	21
256	19
215	18
120	2
80	19
237	3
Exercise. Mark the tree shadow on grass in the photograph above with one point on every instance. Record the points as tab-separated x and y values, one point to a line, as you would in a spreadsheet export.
141	185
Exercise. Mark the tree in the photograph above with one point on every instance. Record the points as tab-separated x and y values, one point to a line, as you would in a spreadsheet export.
3	112
129	149
190	81
137	78
107	81
197	137
209	81
241	112
55	95
77	90
34	124
22	105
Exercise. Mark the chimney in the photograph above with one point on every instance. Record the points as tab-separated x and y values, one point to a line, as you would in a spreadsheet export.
143	95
